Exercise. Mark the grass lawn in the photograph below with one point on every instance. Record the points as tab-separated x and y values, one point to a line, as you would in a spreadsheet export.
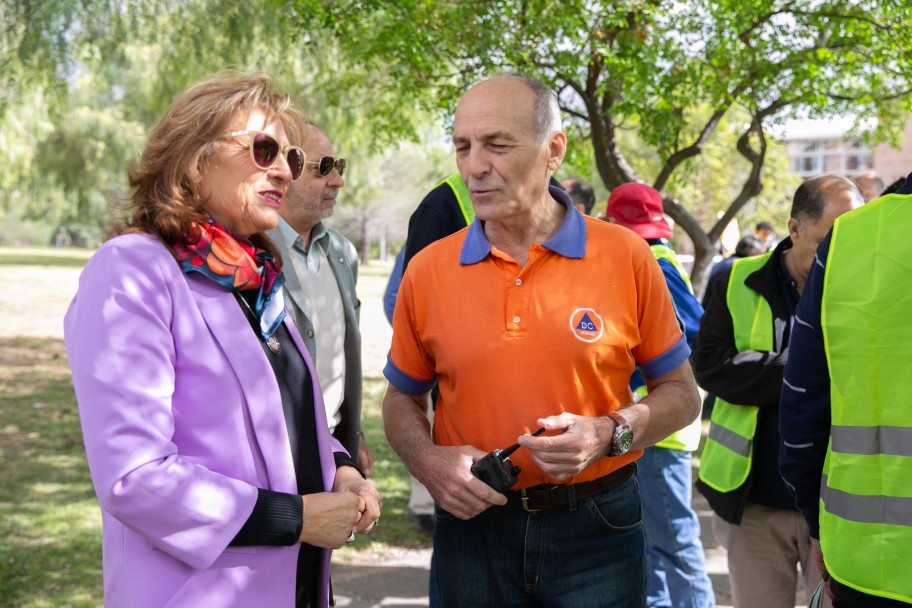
50	526
49	520
44	256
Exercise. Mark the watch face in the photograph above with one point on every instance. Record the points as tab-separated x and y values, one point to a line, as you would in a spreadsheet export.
623	435
623	439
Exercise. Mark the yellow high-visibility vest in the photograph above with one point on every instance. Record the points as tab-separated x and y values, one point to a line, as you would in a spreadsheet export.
727	455
462	196
866	316
688	438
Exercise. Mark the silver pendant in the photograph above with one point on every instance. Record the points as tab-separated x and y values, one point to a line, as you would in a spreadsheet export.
273	343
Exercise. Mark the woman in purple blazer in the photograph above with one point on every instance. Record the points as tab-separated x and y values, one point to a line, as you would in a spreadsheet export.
204	426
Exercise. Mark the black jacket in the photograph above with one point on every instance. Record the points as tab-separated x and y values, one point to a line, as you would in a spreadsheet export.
749	378
438	216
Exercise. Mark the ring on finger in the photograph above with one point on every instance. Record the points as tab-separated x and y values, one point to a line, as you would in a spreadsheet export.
351	538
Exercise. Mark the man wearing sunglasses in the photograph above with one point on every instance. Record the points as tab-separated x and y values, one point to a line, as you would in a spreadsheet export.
321	269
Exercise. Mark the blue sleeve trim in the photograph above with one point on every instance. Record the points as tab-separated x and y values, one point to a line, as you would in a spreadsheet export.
636	380
667	361
404	382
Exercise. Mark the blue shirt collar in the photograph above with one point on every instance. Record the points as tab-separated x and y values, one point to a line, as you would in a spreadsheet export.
569	240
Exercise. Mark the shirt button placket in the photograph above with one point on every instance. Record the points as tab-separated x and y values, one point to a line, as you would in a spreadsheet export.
515	303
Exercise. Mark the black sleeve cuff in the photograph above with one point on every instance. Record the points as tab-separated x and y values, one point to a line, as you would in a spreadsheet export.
276	521
344	460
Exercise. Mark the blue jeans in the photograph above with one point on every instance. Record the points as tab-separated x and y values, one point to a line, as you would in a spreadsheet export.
563	558
675	563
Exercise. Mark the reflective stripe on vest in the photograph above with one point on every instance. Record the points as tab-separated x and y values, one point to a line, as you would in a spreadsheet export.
890	510
688	438
866	489
462	196
726	459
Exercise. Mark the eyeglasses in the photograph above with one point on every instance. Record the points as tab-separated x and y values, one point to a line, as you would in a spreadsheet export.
264	152
327	163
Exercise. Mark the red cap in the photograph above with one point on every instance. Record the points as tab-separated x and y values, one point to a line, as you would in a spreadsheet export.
639	207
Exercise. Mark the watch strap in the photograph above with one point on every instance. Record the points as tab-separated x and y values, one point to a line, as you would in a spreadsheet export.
621	426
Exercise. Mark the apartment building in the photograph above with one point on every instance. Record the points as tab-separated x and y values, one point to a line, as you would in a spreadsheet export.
817	147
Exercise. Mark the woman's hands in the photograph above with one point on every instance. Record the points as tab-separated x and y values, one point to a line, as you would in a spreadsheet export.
330	518
349	481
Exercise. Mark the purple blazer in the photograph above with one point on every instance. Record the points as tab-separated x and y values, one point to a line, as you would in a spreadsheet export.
182	421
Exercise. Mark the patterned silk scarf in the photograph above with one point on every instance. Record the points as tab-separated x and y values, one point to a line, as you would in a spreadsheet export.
236	264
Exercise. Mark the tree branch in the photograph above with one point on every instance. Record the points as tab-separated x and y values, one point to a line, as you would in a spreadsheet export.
862	17
744	35
899	95
609	160
753	184
694	149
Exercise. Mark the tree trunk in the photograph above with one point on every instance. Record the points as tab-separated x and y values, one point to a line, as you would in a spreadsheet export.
365	243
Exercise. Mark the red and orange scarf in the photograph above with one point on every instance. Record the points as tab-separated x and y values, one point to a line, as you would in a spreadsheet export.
234	262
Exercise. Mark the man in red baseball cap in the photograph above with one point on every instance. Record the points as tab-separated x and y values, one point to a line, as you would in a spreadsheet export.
639	207
676	564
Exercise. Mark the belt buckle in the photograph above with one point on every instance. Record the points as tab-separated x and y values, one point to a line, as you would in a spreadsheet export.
525	502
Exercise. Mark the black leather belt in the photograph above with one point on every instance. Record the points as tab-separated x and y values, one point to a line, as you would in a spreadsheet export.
546	497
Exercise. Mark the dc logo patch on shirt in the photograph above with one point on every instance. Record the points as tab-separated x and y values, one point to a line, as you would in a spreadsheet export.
586	324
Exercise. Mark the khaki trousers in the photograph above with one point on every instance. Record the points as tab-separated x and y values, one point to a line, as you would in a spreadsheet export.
764	554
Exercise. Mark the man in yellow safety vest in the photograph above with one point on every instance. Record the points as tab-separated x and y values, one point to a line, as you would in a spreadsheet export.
738	355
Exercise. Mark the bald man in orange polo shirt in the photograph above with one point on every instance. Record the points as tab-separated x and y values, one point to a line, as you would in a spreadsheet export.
532	317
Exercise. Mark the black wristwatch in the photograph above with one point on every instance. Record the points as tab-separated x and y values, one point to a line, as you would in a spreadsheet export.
623	435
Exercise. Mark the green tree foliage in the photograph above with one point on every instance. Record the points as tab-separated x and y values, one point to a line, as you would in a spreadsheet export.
681	94
82	82
679	76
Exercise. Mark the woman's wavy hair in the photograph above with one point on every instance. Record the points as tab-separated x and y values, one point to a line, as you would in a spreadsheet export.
166	177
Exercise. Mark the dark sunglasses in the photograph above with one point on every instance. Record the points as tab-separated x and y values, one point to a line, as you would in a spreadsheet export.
264	152
327	163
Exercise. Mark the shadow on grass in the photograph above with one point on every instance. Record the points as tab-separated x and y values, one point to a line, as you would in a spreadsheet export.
49	519
52	553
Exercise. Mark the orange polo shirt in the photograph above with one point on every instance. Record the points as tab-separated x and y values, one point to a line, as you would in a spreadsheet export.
508	345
